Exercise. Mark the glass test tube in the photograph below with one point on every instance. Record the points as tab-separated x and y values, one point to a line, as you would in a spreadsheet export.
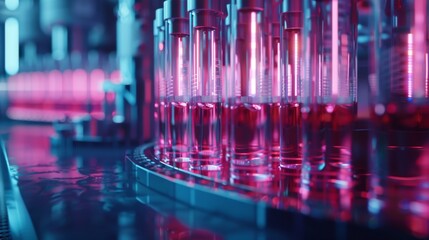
205	68
177	82
251	95
291	85
400	108
272	36
226	80
160	90
328	103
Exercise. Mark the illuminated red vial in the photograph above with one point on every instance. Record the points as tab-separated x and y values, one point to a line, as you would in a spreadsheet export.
177	81
291	85
273	73
205	67
250	104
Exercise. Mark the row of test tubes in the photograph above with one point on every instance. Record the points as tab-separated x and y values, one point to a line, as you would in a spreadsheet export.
231	84
259	87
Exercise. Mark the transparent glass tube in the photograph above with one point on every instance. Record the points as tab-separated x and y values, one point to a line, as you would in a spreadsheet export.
177	82
205	106
328	98
400	107
226	88
272	17
160	89
291	85
250	106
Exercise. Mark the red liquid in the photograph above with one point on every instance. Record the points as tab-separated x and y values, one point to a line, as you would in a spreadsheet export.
275	133
177	138
226	137
327	135
206	136
249	146
291	136
326	177
225	128
161	125
401	158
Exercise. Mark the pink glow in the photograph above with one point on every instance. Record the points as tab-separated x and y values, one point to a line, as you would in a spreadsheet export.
335	83
296	62
213	79
320	74
25	85
180	65
289	80
39	86
426	76
80	84
17	87
55	84
419	41
67	86
115	76
253	41
277	71
196	63
410	65
97	77
11	86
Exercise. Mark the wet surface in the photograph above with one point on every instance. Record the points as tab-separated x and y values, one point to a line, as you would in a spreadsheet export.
82	195
85	195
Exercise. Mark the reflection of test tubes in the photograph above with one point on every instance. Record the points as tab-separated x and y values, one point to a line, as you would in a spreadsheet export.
400	111
250	108
291	61
177	81
159	103
205	68
328	99
329	81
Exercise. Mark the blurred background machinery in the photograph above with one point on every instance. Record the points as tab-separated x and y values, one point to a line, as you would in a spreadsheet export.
79	65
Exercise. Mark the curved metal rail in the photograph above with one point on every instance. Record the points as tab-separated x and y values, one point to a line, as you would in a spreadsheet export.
15	222
150	177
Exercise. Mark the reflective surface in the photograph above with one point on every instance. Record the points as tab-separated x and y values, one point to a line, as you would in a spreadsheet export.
85	194
73	196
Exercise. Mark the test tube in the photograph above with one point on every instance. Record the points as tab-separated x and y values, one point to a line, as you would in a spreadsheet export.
205	68
400	108
227	81
176	25
291	85
250	105
160	90
273	57
328	101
